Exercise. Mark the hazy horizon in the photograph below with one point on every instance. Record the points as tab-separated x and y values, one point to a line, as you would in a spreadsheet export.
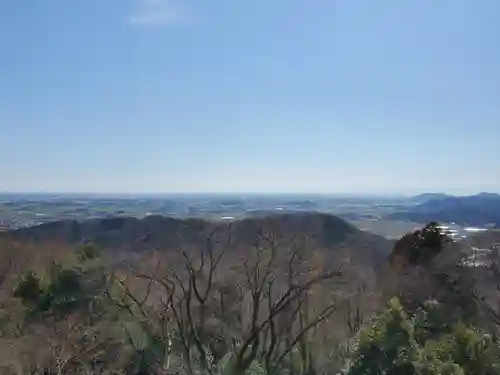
331	97
238	194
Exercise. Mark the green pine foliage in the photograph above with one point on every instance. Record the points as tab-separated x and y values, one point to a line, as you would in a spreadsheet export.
388	346
29	289
397	344
427	243
87	251
63	290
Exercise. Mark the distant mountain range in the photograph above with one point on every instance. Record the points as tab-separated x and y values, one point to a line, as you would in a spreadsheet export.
422	198
477	210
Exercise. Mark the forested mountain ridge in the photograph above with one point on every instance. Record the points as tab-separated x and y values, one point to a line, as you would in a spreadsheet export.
156	232
476	210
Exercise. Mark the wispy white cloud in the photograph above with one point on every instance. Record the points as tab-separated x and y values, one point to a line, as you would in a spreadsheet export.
161	12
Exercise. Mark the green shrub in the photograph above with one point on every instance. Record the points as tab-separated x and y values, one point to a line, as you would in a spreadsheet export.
63	293
388	346
28	289
87	251
396	344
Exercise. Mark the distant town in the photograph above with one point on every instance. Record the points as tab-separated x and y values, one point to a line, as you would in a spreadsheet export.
380	215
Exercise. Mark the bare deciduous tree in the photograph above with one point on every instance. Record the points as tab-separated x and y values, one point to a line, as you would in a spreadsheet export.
486	291
253	306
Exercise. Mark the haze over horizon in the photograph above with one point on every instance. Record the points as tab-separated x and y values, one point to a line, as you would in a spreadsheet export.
239	194
163	96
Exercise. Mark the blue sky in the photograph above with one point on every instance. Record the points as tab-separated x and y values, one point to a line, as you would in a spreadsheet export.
338	96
